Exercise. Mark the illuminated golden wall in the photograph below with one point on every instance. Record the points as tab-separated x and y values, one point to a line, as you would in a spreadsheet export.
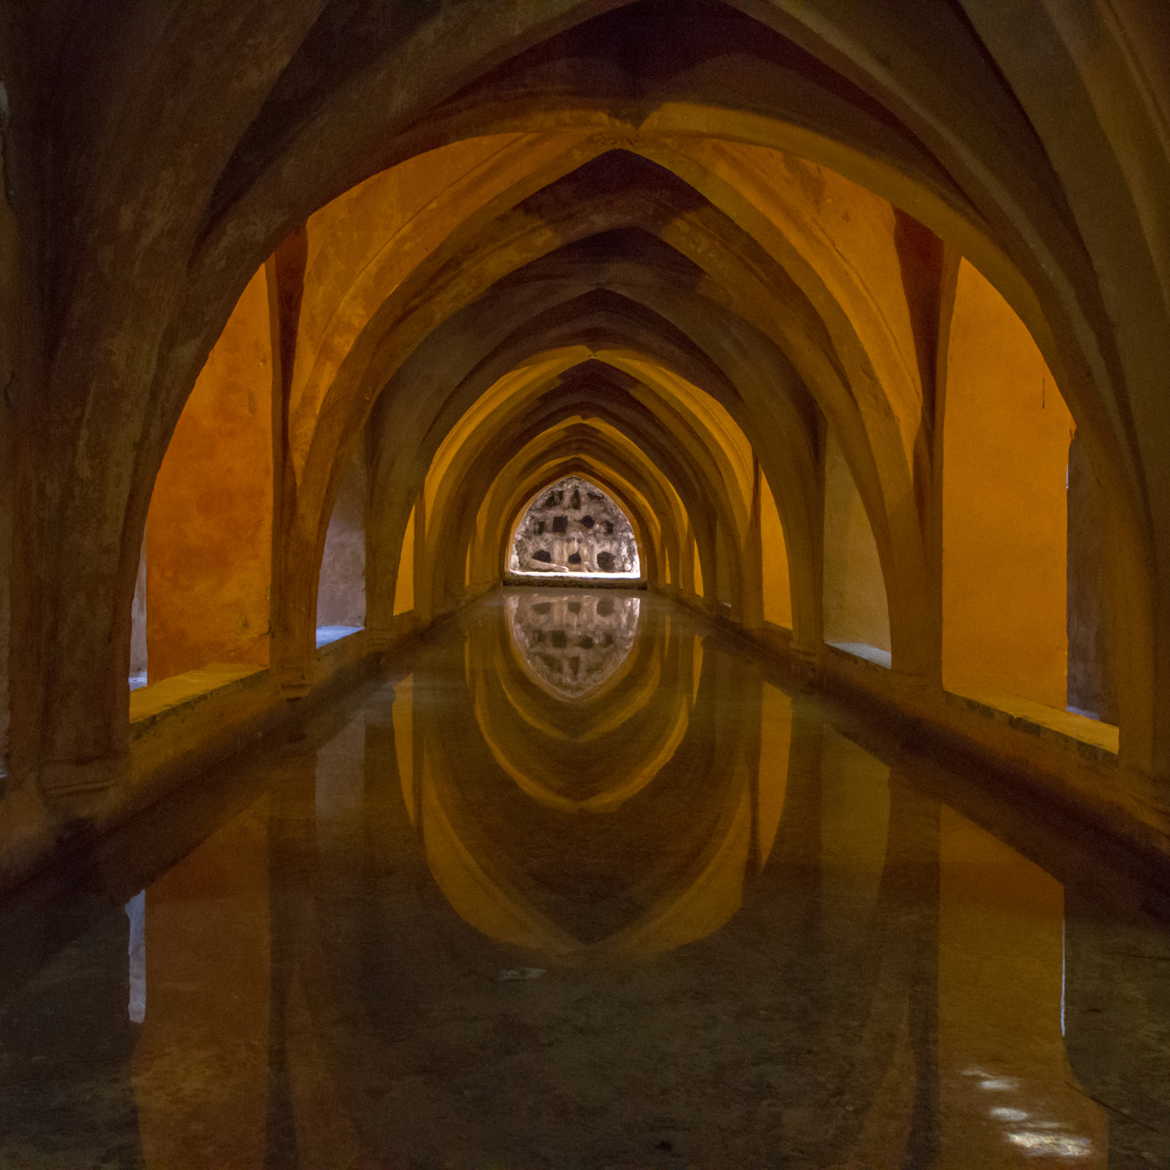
209	570
1005	512
889	269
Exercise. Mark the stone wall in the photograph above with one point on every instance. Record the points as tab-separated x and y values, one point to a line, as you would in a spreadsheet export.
341	593
1091	682
574	527
855	605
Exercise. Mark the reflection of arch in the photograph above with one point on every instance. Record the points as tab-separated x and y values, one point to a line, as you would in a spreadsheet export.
881	100
631	687
689	878
881	513
709	324
594	754
468	904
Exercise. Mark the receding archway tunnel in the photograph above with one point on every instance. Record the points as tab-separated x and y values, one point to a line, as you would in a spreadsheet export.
343	341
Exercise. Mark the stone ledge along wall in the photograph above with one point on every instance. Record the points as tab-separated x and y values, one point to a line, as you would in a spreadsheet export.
574	527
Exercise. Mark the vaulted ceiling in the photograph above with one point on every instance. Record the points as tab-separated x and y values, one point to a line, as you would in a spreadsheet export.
670	244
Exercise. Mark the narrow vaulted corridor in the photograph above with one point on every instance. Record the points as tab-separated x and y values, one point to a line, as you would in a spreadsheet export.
584	584
584	883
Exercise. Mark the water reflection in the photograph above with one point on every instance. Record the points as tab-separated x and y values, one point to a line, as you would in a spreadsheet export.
575	640
746	935
659	766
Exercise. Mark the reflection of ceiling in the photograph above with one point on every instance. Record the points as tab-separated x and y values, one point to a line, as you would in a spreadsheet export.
573	641
572	526
592	752
669	789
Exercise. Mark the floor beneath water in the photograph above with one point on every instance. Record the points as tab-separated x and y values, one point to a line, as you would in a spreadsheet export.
584	884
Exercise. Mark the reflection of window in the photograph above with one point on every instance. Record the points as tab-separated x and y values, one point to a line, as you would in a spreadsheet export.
572	644
554	537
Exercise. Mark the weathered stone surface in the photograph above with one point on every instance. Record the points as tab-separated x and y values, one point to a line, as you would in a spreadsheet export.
1092	671
574	527
341	591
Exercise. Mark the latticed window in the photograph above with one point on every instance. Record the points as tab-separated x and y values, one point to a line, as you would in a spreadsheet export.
574	527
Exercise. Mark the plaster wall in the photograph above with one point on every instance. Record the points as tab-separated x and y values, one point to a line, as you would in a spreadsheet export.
1005	462
139	663
855	606
341	592
774	562
351	269
1091	677
209	528
342	244
404	583
864	272
573	526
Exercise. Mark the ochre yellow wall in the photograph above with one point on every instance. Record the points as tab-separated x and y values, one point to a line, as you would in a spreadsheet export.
404	584
855	590
1005	464
362	244
774	561
209	529
863	272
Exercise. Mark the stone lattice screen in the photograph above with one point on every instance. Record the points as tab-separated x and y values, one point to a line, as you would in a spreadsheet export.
574	527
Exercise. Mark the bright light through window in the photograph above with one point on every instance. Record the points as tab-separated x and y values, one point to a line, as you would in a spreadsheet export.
572	528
